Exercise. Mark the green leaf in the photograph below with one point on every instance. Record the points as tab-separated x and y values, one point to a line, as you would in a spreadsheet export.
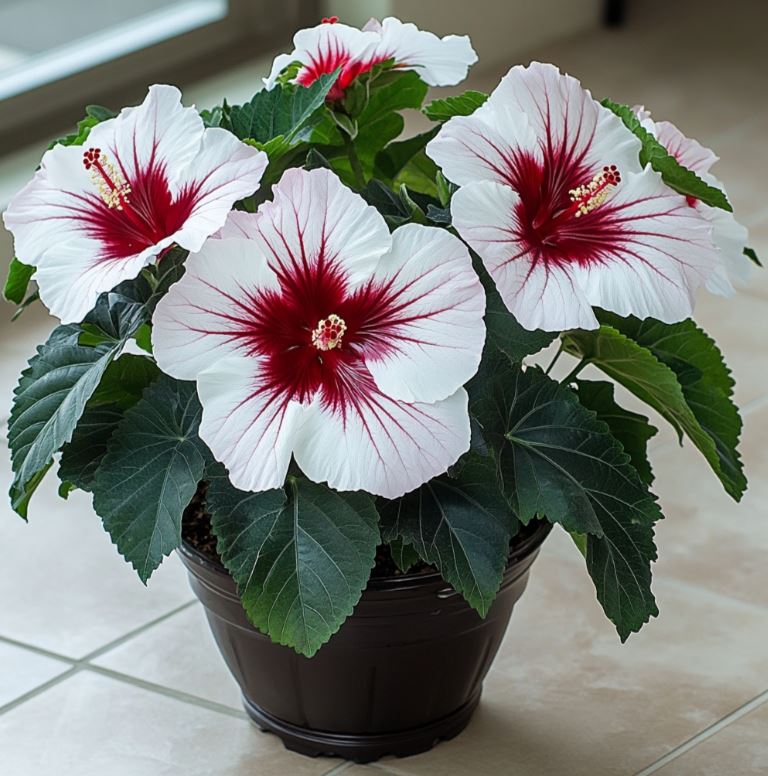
48	402
150	473
460	524
630	428
403	554
679	371
300	560
505	334
124	380
31	299
281	112
404	162
680	178
752	256
17	281
558	461
460	105
99	112
94	114
81	457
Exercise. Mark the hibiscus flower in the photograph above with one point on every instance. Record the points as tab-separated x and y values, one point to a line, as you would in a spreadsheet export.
313	332
734	269
555	202
151	178
322	49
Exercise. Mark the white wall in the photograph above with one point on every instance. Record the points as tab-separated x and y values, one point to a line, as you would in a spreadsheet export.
500	29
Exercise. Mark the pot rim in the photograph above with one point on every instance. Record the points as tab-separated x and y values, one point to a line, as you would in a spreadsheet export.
399	582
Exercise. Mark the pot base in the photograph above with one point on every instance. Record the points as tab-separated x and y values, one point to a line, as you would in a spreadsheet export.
363	748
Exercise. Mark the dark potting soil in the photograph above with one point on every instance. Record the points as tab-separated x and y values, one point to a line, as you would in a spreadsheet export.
196	531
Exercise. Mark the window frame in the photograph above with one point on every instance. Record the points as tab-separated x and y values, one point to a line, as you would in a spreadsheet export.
251	28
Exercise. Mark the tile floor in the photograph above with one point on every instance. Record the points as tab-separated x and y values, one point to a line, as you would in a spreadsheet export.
102	676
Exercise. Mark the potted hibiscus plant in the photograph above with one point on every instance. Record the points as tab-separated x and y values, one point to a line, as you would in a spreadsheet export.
300	352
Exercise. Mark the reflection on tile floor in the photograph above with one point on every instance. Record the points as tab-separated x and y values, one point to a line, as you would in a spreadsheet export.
102	676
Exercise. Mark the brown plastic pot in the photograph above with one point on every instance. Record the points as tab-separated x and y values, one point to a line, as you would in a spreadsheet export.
404	671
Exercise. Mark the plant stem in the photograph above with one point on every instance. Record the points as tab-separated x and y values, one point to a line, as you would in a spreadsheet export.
572	374
354	160
554	360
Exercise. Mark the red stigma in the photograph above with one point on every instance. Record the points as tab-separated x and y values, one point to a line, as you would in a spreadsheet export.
330	19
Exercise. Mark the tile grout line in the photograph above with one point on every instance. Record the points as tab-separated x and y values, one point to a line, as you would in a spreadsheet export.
40	689
169	692
136	632
340	768
708	732
389	771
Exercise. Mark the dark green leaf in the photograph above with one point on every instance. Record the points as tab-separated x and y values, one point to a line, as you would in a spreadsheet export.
81	457
300	560
558	461
124	381
403	554
459	105
679	371
752	256
507	335
405	162
99	112
280	112
439	215
460	524
150	473
17	281
630	428
680	178
48	402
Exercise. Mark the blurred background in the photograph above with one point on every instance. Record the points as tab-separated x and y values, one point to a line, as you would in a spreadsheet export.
101	676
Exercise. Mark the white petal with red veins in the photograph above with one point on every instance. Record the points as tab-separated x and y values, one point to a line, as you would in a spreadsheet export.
665	252
248	428
564	115
539	297
438	61
70	282
380	445
314	218
432	330
160	131
481	146
205	315
229	170
323	48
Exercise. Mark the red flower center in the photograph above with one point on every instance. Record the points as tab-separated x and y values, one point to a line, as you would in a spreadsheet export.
131	213
561	219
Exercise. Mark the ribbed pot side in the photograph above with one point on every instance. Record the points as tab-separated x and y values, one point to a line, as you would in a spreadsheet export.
403	672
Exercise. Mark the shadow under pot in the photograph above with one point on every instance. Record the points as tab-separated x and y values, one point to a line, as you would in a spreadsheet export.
404	671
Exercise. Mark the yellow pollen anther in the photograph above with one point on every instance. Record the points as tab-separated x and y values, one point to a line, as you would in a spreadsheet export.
591	195
328	333
112	186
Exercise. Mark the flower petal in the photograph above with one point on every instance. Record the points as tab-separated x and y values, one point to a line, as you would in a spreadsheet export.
663	254
538	297
566	119
229	170
248	428
70	282
205	316
322	49
314	219
735	270
425	330
380	445
688	152
439	61
482	146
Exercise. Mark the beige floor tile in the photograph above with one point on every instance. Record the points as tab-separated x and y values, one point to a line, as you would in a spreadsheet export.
179	653
22	671
90	725
565	697
63	585
707	540
741	749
